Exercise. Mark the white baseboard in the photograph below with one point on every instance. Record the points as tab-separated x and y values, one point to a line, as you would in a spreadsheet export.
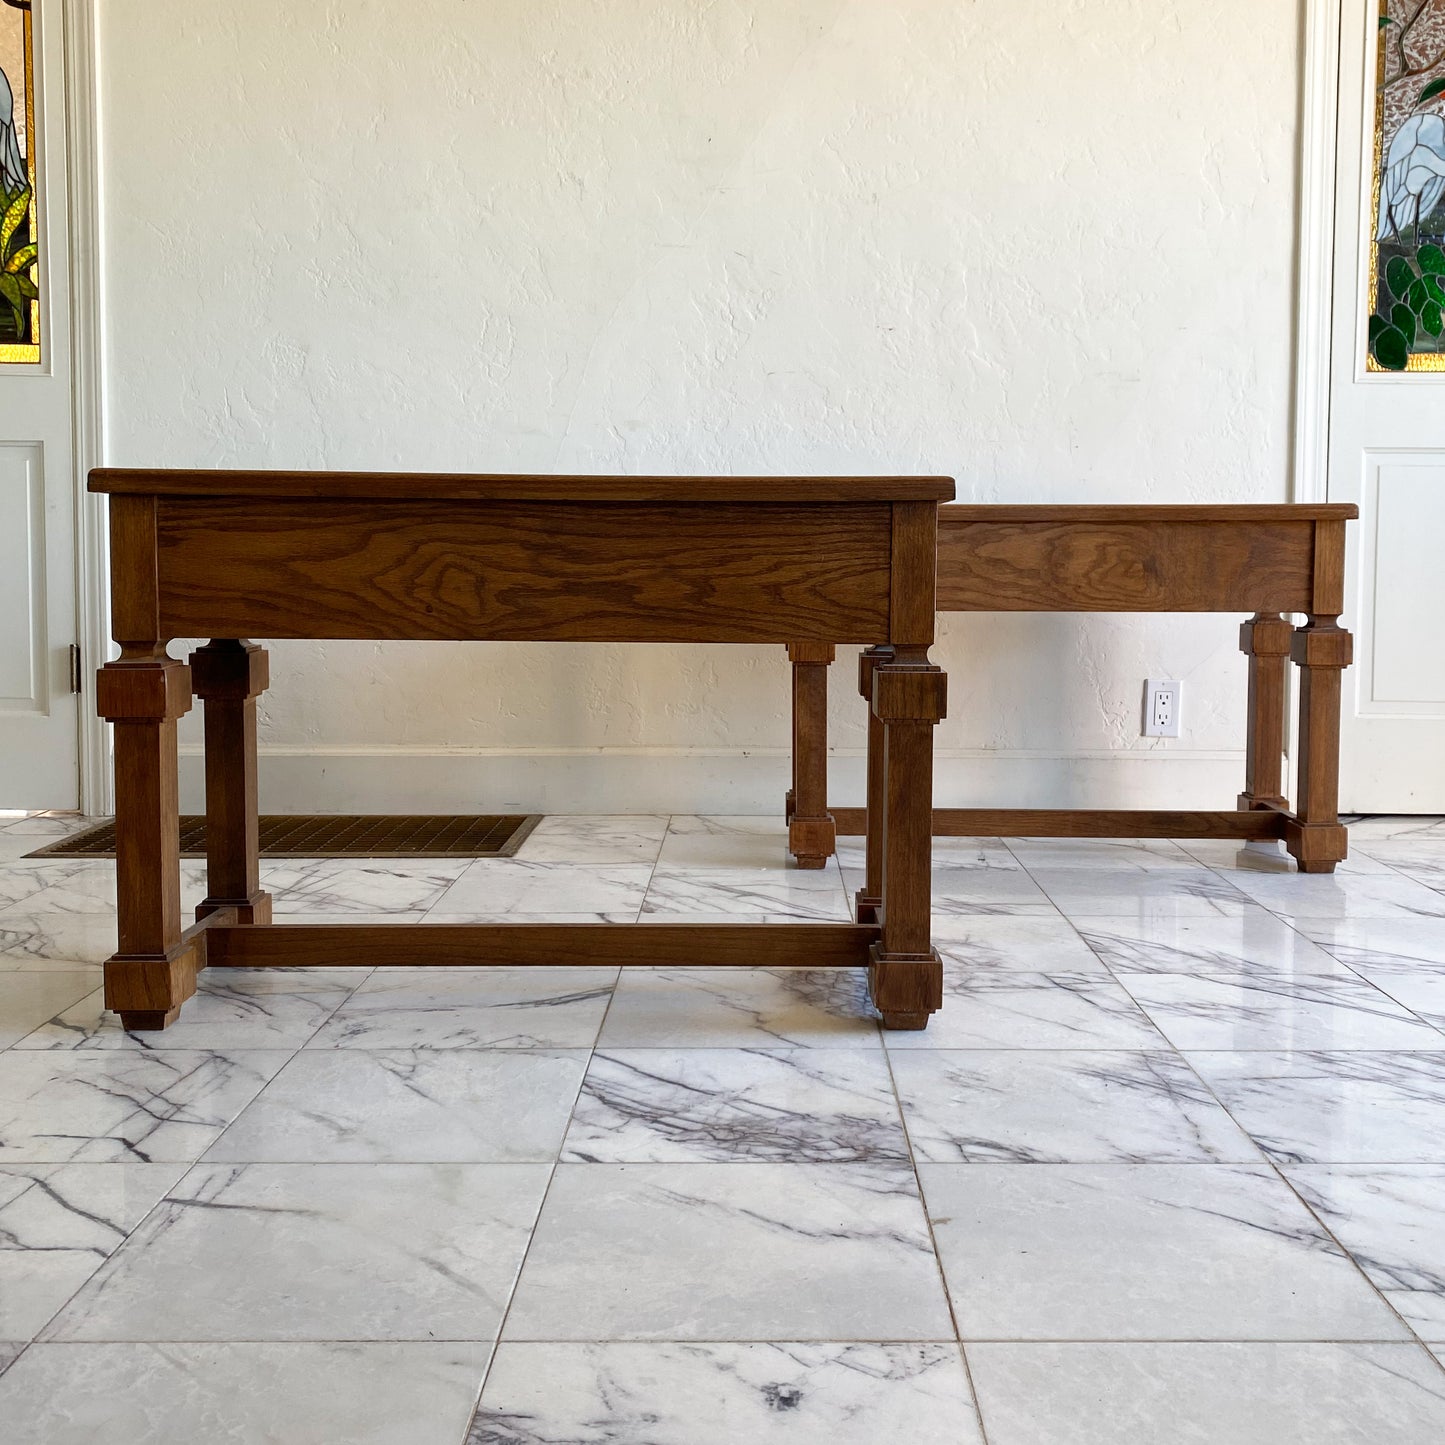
687	781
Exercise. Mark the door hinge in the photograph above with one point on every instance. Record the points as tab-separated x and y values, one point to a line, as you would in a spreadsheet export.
75	667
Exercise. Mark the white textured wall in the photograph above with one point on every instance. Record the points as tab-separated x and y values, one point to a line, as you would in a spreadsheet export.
1045	248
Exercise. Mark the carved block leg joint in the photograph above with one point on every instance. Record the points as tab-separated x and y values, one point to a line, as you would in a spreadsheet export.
228	675
152	973
1265	641
869	899
812	835
1314	835
909	698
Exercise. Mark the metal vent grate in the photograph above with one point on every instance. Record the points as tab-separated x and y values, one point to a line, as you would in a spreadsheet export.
326	836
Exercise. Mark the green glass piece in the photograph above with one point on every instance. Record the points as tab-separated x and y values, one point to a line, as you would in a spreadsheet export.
1431	319
1402	319
1400	276
1431	259
1392	351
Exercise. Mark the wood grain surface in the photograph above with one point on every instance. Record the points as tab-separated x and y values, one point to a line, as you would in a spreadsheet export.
632	571
1155	565
562	945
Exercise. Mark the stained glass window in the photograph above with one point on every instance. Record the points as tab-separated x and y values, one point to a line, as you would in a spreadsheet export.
19	233
1407	271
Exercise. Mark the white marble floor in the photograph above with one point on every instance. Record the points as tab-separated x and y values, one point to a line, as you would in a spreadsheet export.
1170	1164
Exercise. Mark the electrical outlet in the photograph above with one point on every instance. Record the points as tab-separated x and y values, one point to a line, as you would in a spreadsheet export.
1161	708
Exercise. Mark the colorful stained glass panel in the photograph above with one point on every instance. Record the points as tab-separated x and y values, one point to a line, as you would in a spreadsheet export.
19	232
1407	249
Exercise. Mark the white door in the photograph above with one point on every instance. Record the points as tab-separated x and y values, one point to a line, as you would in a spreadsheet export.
39	719
1387	424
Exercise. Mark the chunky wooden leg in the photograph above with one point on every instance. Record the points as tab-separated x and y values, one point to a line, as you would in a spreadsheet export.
812	838
869	898
1265	640
152	973
228	676
1314	835
906	976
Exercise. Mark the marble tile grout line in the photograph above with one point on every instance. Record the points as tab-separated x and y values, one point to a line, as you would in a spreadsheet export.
546	1192
1314	1214
933	1245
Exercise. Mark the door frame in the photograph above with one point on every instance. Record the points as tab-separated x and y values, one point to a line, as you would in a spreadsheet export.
1314	288
92	568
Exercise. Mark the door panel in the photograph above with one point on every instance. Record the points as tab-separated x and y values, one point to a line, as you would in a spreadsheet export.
1387	422
24	676
1405	521
39	719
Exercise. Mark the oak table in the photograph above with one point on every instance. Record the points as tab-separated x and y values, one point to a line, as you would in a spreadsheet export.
1264	560
231	555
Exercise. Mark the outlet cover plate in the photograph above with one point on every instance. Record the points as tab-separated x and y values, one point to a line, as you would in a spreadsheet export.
1162	705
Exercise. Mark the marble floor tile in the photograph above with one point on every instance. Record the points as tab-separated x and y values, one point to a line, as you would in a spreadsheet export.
1388	1216
226	1015
347	915
967	891
1418	859
1018	1107
724	1394
13	847
438	916
1341	895
820	1106
732	918
1258	1012
44	825
737	1008
10	1351
1252	942
1142	1252
245	1394
1421	991
947	853
58	1224
350	885
1158	893
96	1106
1020	944
1031	1011
1345	1108
88	887
513	885
50	941
1373	826
317	1252
27	1000
466	1008
812	1252
745	842
1229	856
332	1106
22	881
595	839
740	894
1112	854
290	979
1391	942
1209	1394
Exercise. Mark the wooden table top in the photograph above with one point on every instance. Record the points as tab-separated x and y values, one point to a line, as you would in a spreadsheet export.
507	487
